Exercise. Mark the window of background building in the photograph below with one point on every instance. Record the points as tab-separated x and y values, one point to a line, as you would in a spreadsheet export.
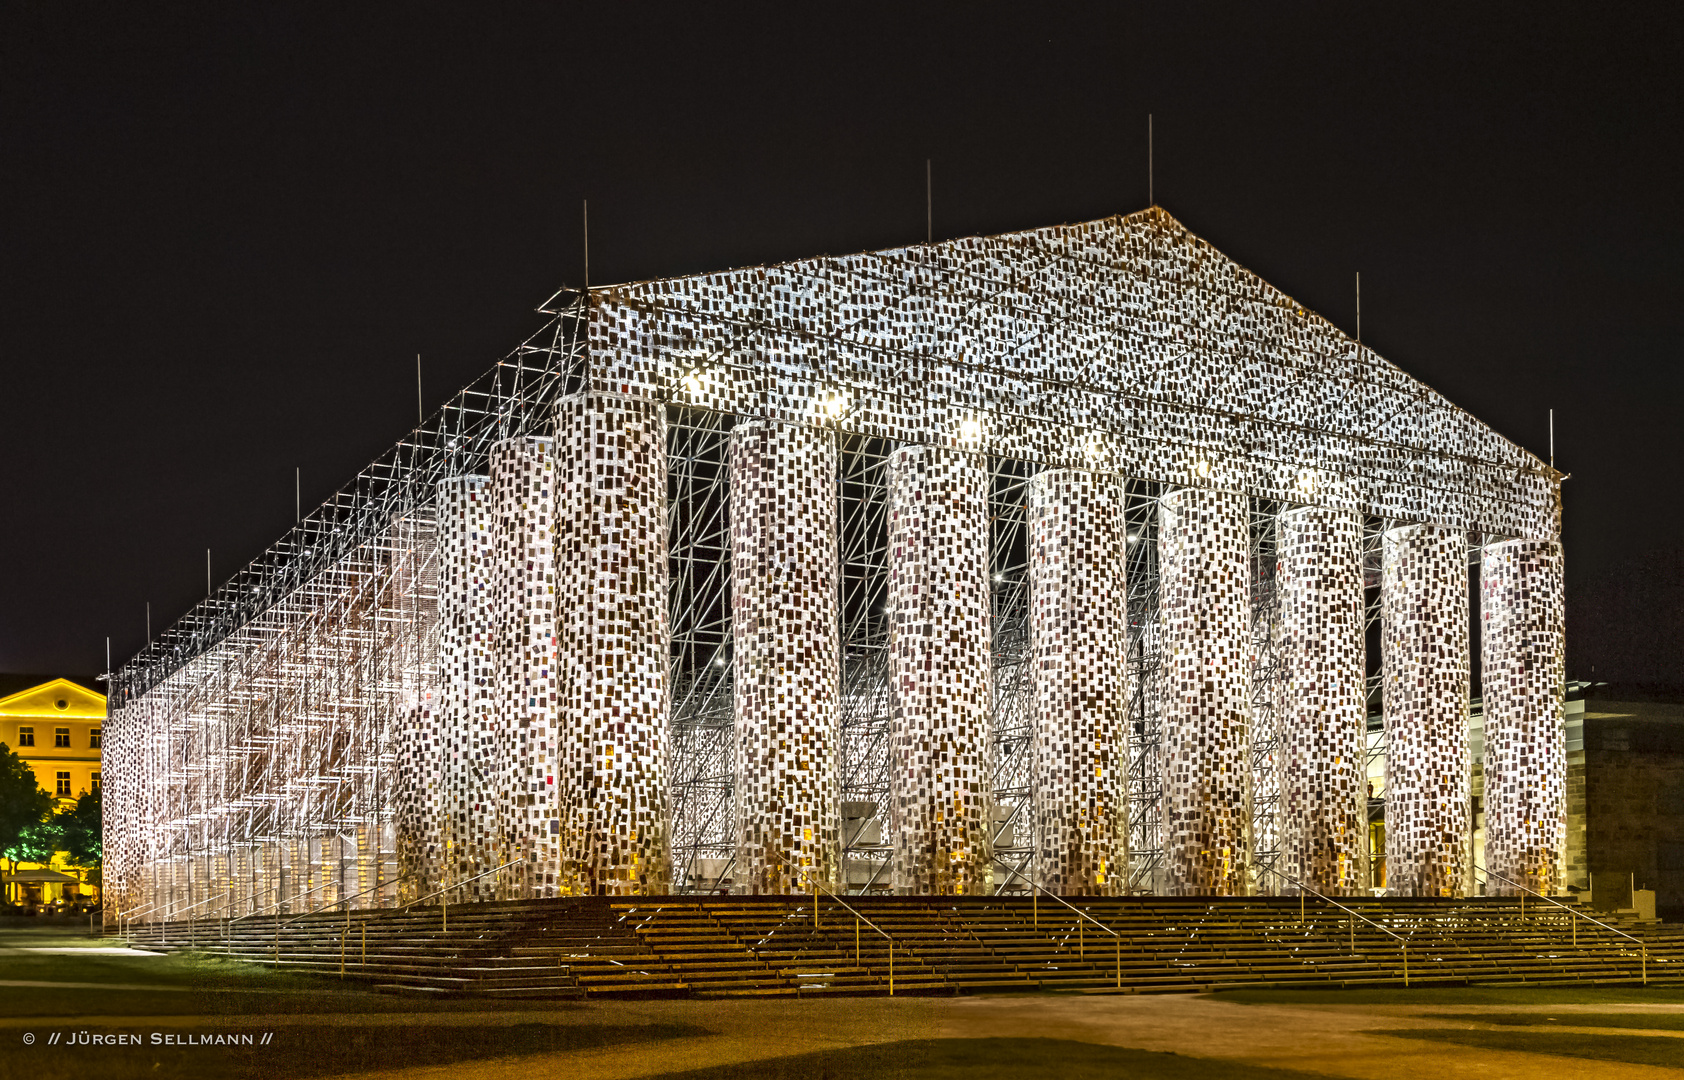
93	739
96	784
63	785
26	736
61	737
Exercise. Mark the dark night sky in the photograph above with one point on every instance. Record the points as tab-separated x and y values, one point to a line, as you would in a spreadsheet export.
228	229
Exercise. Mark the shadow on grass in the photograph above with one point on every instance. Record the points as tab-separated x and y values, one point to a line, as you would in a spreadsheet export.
987	1059
313	1051
1628	1049
1462	995
1653	1021
192	984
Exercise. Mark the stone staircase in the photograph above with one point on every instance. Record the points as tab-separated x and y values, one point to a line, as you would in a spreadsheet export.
694	946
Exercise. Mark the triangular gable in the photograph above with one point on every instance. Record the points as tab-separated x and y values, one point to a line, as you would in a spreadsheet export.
43	701
1126	344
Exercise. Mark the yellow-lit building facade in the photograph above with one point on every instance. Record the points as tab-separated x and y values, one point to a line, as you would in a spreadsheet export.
56	727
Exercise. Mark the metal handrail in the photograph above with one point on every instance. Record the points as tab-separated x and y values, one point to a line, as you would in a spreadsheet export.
1566	907
1403	943
278	903
464	881
836	897
1072	907
200	904
377	885
1642	946
128	916
249	896
1039	889
1335	903
886	935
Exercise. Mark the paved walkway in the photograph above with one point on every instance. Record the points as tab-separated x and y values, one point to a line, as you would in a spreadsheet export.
1327	1039
1322	1039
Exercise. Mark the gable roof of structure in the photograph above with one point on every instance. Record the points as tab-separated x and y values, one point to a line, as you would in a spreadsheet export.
1126	343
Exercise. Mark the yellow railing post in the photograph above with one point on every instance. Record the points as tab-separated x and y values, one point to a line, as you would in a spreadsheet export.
891	967
856	941
1119	961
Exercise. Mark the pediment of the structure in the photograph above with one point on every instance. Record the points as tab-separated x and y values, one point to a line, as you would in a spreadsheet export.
1125	344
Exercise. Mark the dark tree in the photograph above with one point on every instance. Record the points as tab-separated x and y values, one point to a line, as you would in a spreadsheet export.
80	831
25	811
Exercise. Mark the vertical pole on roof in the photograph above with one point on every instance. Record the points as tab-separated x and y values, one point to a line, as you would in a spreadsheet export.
1151	199
420	416
207	572
929	204
1552	438
1359	307
586	203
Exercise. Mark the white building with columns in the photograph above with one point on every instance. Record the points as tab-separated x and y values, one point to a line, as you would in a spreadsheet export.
1077	557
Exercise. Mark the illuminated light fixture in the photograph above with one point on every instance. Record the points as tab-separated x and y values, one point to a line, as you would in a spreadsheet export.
692	382
1204	468
1133	536
1307	482
970	430
834	406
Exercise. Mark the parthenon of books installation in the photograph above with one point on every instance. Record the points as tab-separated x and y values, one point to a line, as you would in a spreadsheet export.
1040	558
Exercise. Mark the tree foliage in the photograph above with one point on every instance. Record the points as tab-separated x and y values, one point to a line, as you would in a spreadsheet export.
26	811
80	831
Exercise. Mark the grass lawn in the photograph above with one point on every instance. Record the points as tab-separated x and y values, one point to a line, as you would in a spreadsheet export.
1654	1021
196	984
1631	1049
304	1050
211	995
1464	995
988	1059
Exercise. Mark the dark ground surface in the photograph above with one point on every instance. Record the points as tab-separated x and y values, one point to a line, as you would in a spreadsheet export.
323	1027
968	1059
